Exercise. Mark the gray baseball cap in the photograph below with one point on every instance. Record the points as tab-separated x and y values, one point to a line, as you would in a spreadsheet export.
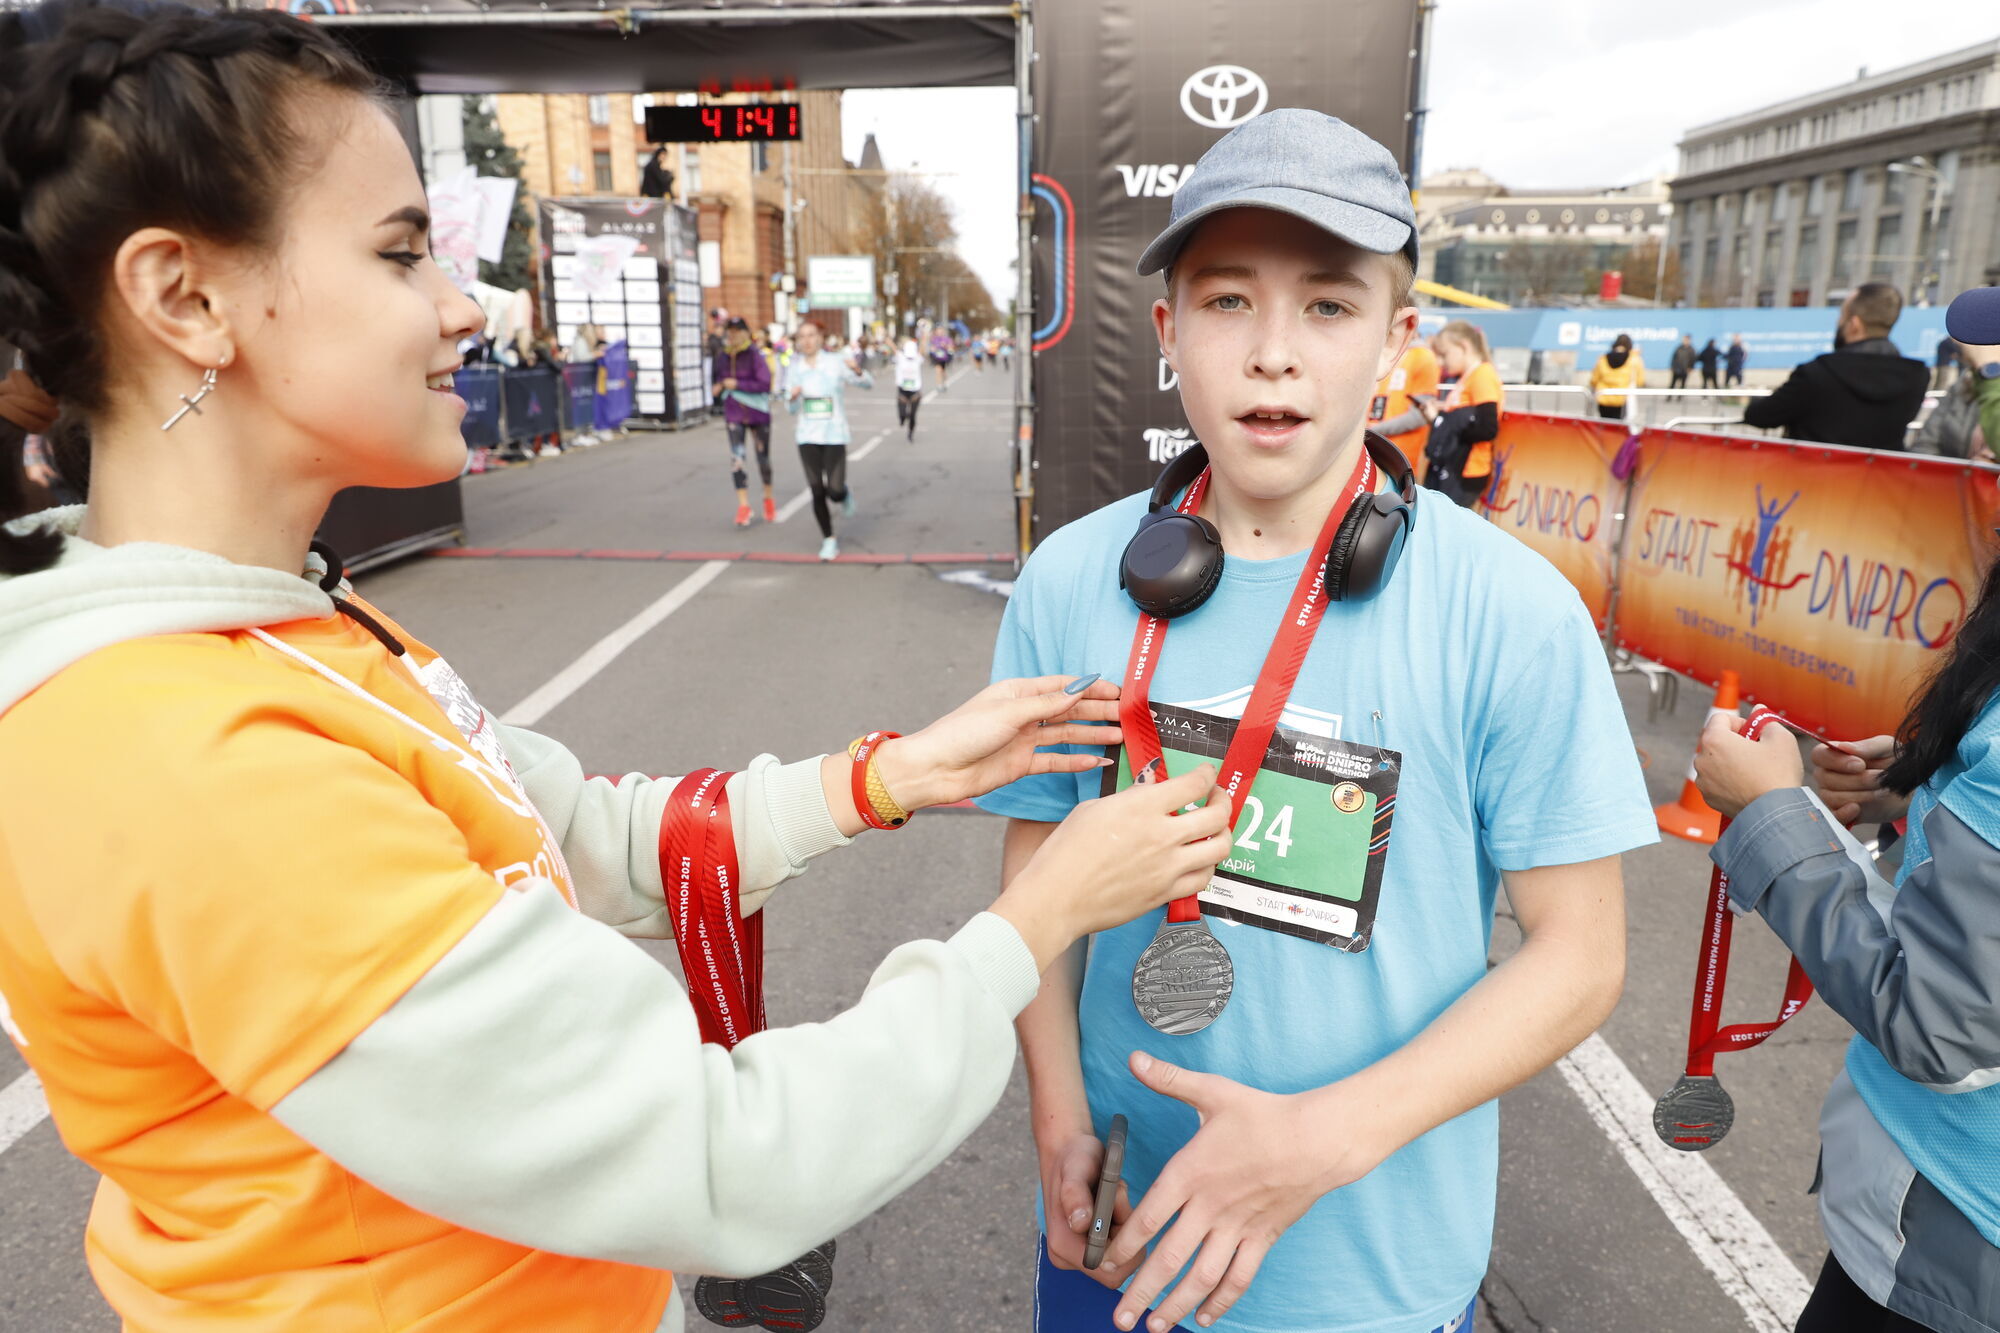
1301	162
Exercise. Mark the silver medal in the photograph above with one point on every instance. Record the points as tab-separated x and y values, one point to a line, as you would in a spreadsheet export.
1694	1114
1183	979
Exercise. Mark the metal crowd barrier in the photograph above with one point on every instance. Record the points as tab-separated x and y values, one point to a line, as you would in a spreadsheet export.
1648	407
509	406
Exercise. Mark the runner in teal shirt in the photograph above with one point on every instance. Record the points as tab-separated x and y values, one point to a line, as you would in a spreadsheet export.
815	389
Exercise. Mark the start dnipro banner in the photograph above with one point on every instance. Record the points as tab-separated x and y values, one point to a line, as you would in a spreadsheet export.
1129	94
1828	579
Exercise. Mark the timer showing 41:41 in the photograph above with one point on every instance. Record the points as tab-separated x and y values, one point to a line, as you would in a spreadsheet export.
723	123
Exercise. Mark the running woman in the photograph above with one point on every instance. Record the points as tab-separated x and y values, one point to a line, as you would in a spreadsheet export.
909	385
815	392
330	974
743	382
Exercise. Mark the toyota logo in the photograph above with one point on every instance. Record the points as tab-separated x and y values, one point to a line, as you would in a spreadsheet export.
1225	88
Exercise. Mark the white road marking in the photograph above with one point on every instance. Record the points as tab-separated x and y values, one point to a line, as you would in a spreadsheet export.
606	650
22	1107
1731	1243
804	497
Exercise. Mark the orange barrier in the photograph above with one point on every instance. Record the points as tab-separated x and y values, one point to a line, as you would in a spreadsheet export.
1828	578
1552	487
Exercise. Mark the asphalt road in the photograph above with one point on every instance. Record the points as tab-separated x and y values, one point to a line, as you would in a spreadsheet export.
797	658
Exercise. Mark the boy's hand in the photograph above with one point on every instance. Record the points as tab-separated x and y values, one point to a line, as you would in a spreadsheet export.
1237	1186
1069	1194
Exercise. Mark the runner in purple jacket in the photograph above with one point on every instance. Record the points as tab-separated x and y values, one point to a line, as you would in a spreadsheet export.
743	386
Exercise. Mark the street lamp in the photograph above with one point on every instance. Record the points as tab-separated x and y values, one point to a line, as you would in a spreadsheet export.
1940	189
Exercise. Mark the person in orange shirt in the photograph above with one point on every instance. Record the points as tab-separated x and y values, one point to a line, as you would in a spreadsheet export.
326	971
1393	412
1465	424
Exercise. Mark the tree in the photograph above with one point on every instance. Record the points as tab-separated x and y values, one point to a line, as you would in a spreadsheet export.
489	154
1642	266
908	226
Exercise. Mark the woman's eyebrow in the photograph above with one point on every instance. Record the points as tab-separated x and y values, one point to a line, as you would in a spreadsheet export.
409	215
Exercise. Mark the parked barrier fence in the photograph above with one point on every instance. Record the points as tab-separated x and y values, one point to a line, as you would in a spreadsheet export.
506	406
1828	578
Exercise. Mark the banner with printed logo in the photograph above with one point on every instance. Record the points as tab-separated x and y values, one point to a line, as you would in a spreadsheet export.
1553	488
1827	578
1129	94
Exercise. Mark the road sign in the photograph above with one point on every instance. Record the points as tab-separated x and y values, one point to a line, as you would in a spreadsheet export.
841	280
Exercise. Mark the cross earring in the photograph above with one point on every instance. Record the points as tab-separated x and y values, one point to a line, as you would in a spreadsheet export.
193	404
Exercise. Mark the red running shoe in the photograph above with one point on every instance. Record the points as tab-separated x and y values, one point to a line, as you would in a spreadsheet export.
743	516
770	510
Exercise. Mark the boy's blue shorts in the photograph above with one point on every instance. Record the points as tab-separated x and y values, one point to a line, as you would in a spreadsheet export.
1067	1301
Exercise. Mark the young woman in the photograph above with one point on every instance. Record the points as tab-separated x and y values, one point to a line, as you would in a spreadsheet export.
1618	369
1464	426
743	379
322	968
816	393
1909	1189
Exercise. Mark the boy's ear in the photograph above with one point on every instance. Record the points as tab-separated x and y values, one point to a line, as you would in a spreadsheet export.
1401	332
1163	328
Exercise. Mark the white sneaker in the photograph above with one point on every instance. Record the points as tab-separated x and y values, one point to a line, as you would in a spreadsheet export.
550	451
847	504
828	549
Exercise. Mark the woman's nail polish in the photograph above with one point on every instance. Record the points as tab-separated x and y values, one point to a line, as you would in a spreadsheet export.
1082	683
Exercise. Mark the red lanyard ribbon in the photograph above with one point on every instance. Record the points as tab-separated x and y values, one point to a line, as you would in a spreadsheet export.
1706	1037
722	954
1274	682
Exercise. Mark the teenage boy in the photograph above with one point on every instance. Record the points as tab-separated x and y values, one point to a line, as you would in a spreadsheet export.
1323	1155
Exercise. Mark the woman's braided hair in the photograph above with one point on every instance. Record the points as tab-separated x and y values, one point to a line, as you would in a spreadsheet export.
117	115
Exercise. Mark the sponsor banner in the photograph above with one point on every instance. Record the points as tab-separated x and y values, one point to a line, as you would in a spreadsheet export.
1130	93
1552	488
629	267
1827	578
613	403
532	403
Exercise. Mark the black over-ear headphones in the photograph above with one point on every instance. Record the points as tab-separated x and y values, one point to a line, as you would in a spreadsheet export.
1174	560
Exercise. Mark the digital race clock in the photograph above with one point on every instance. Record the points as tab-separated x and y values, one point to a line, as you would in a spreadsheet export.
722	123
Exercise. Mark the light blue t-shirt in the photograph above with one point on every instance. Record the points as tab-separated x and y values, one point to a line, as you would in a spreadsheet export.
824	379
1479	664
1952	1138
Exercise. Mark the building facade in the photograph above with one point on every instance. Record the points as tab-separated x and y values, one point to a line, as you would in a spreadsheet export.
1543	247
1797	204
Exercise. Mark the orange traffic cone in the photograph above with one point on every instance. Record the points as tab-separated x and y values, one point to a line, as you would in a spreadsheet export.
1691	817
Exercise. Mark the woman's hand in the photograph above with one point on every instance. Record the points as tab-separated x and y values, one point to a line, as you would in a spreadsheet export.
1849	781
995	737
1117	858
23	403
1732	771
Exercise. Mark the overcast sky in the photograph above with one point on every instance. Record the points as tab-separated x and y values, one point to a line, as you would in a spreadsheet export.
1560	93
